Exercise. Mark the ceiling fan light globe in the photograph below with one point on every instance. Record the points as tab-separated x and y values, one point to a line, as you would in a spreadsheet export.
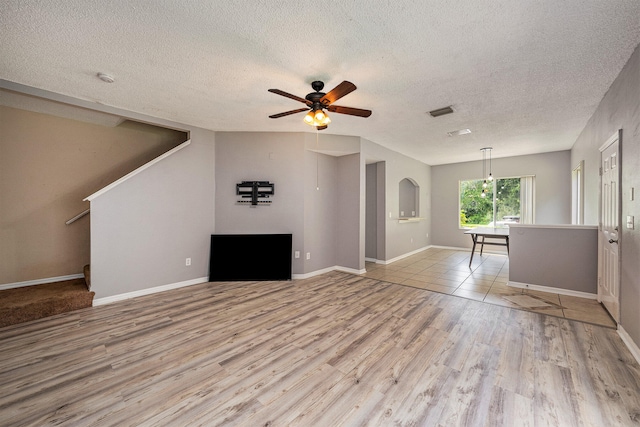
319	115
309	118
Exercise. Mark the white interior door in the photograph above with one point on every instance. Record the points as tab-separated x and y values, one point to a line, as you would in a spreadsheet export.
608	265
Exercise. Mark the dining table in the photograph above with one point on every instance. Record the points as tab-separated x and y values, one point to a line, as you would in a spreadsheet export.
499	236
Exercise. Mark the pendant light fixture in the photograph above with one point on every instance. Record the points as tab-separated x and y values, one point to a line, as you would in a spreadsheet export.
490	175
489	178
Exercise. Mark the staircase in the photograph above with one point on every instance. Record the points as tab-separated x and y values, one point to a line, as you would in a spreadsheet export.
28	303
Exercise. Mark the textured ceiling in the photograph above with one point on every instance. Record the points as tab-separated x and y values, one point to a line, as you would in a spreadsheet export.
524	76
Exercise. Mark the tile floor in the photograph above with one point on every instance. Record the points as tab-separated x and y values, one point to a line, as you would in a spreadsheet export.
447	271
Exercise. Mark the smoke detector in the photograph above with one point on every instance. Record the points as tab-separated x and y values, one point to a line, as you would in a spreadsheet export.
106	78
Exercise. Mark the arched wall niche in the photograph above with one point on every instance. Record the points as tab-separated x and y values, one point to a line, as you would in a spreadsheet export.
409	198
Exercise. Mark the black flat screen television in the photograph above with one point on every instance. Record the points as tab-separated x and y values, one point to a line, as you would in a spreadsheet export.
236	257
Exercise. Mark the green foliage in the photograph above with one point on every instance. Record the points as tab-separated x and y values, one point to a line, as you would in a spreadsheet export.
463	218
507	198
476	210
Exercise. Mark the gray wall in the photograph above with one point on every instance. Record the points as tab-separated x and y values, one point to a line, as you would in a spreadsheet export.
555	256
320	211
261	156
399	238
619	109
320	198
552	191
317	196
143	229
381	216
332	222
371	211
351	221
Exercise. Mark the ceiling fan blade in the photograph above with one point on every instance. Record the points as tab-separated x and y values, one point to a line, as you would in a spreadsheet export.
322	127
286	113
288	95
348	110
338	92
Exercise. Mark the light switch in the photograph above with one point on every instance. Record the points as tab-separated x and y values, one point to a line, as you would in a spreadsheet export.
630	221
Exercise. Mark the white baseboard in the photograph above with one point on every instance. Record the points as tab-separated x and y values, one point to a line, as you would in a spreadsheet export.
561	291
398	258
326	270
350	270
148	291
486	251
631	345
40	281
451	248
389	261
312	274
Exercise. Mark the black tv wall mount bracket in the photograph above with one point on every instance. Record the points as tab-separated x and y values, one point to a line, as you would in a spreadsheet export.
256	191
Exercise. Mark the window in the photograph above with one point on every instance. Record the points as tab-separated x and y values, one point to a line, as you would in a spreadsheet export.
507	200
577	194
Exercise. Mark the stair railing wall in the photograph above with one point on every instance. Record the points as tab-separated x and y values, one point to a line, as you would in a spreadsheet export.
77	217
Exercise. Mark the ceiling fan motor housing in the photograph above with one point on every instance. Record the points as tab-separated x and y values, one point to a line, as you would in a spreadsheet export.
316	96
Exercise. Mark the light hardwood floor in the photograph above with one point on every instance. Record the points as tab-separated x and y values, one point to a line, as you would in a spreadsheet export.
334	350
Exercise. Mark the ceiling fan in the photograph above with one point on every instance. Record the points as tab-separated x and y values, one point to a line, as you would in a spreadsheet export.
318	101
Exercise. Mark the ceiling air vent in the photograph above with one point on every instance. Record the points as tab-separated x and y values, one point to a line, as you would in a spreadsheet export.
459	132
441	111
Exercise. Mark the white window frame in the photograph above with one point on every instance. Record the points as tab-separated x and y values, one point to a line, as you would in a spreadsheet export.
527	198
577	194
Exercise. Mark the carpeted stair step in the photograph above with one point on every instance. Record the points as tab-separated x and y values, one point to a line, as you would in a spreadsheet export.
35	302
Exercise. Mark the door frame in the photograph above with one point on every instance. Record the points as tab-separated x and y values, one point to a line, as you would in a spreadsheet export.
617	136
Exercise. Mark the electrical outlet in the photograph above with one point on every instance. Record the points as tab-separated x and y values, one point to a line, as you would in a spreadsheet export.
296	254
308	255
187	262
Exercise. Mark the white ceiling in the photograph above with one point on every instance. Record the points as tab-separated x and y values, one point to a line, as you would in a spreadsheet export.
524	76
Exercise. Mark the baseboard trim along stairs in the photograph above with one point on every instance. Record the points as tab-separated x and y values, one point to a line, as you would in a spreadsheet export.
40	281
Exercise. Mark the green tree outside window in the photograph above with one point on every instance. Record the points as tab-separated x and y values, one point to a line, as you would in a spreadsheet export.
500	206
